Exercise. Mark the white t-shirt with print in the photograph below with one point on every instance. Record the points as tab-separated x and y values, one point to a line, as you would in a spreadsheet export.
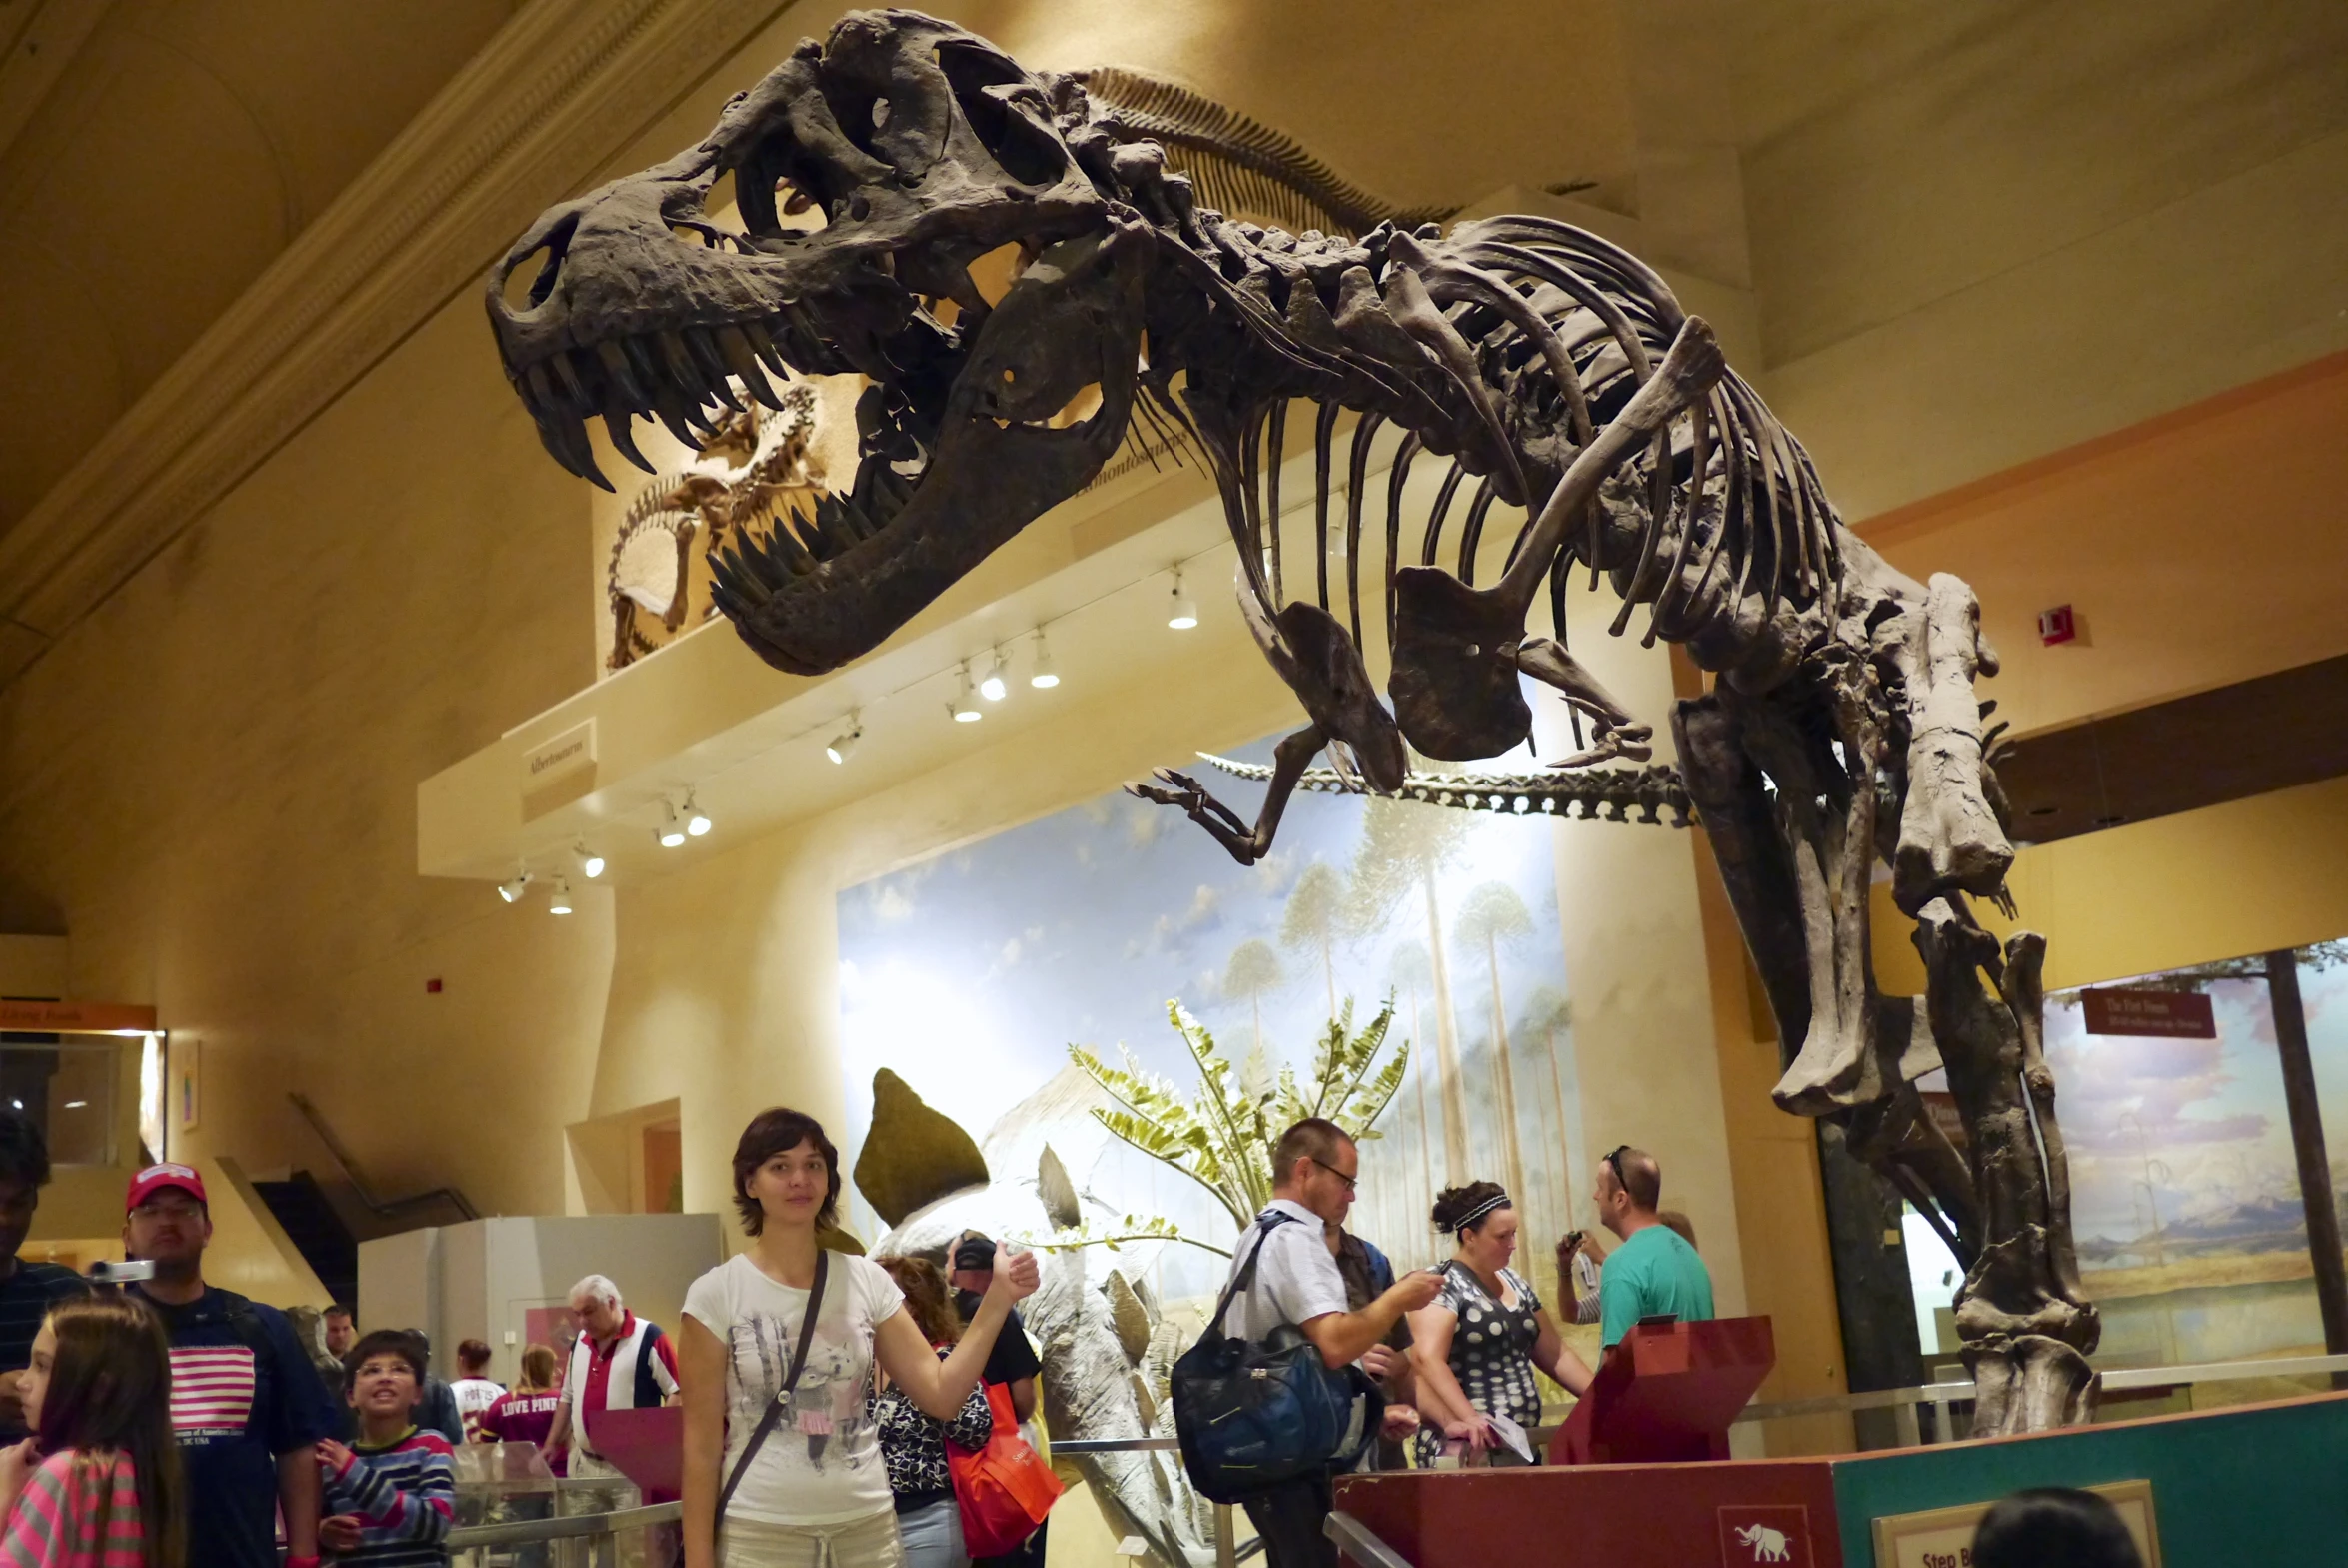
821	1463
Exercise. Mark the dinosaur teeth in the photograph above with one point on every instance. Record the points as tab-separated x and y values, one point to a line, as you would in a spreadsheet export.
616	421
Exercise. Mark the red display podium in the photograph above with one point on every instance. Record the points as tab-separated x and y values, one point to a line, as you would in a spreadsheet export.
1668	1393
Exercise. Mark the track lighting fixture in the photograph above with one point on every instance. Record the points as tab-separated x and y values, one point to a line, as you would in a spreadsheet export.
696	821
964	705
843	742
1044	676
671	832
559	903
1181	613
997	682
591	864
512	890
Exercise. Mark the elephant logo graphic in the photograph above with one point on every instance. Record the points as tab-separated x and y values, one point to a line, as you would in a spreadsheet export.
1765	1535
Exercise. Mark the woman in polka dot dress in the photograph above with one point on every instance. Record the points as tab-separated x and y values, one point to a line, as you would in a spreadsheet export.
1476	1346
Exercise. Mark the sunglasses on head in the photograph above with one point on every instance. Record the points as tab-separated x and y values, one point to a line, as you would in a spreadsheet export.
1615	1161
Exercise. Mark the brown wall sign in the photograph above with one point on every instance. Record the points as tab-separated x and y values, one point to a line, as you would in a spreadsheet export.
76	1017
2172	1014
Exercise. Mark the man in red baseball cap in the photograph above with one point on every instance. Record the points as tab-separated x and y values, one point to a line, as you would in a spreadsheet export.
245	1403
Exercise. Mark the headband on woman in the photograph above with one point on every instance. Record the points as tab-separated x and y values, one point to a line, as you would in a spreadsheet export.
1478	1212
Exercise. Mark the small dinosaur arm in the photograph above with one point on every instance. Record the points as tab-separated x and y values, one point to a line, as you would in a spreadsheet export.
1547	366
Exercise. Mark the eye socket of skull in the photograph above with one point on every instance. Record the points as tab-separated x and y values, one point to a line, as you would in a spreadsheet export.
553	245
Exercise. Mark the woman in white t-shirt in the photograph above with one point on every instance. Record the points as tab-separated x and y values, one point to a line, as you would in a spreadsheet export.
817	1491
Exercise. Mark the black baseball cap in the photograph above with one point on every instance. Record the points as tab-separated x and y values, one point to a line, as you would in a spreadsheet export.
973	1251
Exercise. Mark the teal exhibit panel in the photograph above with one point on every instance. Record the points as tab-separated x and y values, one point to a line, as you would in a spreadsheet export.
2257	1485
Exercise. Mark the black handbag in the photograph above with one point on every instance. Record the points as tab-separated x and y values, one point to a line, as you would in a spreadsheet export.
773	1410
1252	1416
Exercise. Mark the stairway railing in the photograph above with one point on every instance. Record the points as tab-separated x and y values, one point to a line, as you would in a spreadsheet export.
379	1208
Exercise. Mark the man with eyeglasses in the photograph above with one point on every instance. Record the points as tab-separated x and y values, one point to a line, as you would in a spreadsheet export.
245	1404
1653	1272
1314	1173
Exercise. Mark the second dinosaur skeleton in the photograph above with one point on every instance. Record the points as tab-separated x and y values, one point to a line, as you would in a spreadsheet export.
1553	372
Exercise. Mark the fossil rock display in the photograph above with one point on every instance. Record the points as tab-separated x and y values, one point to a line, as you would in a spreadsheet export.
1554	373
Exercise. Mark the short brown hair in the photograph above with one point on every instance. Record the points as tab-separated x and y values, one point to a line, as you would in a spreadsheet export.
472	1353
925	1297
1315	1139
1673	1221
778	1132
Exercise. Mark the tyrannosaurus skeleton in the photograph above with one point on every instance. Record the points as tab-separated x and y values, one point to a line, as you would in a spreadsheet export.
1552	370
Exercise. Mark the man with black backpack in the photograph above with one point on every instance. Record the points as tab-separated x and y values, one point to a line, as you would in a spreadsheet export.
1288	1277
245	1404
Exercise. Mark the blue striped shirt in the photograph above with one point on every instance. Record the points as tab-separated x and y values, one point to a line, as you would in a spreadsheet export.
405	1495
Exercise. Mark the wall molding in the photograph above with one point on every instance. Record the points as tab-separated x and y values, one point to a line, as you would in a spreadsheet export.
551	99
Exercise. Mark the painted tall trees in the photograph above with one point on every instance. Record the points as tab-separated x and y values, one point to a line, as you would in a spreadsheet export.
1254	969
1402	848
1494	915
1315	907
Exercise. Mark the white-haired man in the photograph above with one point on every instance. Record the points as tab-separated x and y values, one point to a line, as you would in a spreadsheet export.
618	1362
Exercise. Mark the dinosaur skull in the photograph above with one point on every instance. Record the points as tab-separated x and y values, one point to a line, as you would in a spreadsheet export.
924	148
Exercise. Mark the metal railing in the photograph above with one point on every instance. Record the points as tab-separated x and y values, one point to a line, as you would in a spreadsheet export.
621	1537
381	1208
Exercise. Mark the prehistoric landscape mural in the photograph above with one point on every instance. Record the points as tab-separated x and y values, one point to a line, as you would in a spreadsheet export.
971	974
2185	1191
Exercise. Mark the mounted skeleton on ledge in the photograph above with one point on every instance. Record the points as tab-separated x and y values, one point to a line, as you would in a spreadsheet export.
1551	369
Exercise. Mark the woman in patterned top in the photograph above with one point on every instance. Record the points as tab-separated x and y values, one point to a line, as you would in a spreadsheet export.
1476	1346
928	1519
99	1486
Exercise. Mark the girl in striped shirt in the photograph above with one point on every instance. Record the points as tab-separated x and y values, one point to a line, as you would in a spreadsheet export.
97	1486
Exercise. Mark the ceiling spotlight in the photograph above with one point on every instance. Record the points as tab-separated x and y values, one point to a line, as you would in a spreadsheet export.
1046	677
964	705
591	864
671	832
512	892
696	821
992	687
1181	613
559	903
843	742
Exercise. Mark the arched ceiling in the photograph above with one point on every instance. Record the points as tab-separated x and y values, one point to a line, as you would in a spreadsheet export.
155	156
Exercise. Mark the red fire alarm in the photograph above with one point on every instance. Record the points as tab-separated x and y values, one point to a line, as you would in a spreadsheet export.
2058	625
432	986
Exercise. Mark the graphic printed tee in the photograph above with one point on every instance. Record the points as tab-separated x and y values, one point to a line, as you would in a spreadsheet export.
821	1463
474	1395
526	1418
234	1412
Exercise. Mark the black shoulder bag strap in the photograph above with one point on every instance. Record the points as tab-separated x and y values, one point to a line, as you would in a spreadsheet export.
773	1413
1244	1279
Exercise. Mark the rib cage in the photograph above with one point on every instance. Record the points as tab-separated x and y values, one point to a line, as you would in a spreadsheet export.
1764	532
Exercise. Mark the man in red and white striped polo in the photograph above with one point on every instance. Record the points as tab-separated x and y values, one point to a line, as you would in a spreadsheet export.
245	1405
619	1362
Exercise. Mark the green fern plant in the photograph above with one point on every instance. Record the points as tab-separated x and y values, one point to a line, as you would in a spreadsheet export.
1223	1137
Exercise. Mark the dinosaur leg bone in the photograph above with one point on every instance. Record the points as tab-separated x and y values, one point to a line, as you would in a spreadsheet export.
1246	844
1950	839
1613	732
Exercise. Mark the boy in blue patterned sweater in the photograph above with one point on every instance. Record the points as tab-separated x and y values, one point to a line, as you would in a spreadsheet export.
390	1498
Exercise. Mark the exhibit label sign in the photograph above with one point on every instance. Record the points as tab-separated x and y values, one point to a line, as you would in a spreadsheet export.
76	1017
566	753
2184	1015
1943	1537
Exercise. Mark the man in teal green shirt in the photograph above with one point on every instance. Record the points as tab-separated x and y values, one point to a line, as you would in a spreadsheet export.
1654	1274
